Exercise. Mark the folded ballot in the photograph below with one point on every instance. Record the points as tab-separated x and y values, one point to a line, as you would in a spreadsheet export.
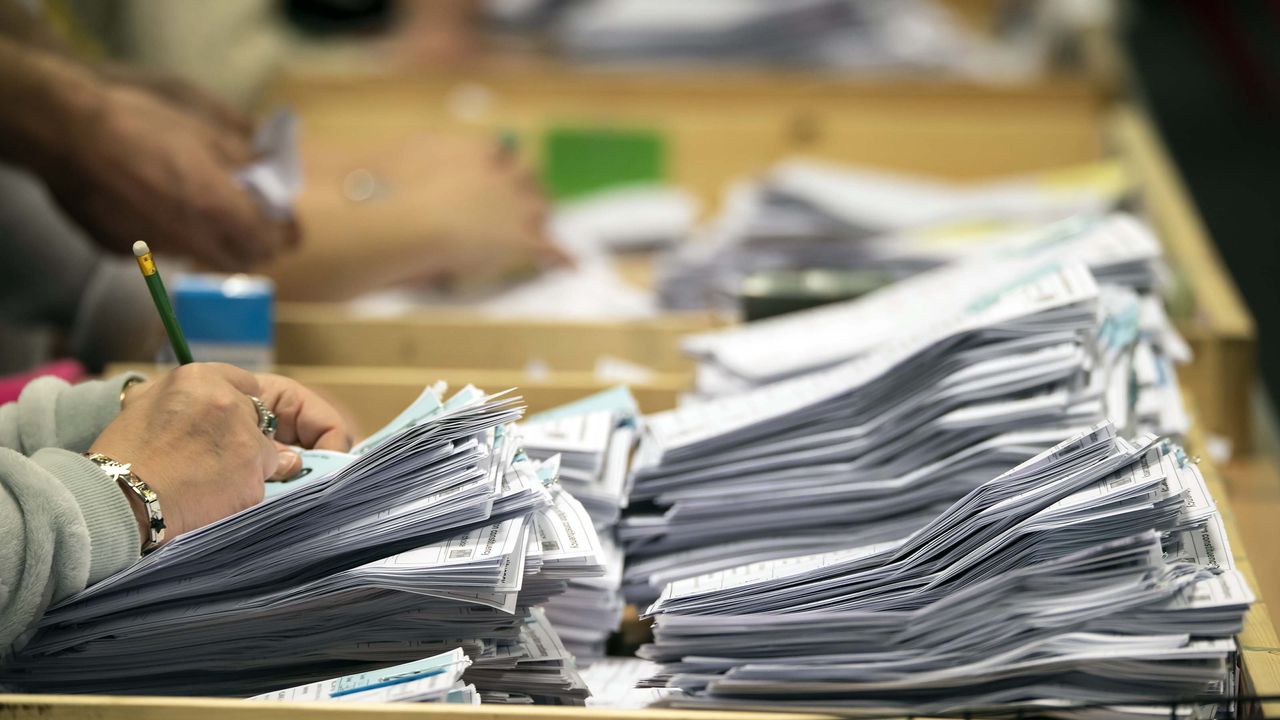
1094	578
867	202
275	177
438	532
434	679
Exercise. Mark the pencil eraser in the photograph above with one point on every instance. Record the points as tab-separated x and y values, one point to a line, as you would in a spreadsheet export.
140	248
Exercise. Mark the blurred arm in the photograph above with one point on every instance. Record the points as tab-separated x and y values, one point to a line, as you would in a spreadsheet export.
45	97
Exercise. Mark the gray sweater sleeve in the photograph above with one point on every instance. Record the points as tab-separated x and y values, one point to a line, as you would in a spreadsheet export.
66	524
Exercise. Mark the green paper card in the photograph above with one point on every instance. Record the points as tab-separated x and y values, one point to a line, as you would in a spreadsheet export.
580	160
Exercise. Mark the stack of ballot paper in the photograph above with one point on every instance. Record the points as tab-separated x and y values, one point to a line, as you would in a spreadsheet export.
869	449
807	214
1091	580
1119	250
537	668
434	679
435	533
592	441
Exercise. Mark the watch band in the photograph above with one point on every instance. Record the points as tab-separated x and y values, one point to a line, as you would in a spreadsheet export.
123	474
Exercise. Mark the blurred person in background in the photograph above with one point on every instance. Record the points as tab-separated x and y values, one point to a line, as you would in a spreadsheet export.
95	155
91	159
126	154
457	213
446	210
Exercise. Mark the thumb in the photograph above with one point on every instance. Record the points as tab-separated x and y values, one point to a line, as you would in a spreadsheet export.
289	464
269	458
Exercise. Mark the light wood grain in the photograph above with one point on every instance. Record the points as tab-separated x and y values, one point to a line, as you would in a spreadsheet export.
71	707
1260	649
720	126
329	334
1253	486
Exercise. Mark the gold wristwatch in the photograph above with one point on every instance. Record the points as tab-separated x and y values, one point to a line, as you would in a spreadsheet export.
123	474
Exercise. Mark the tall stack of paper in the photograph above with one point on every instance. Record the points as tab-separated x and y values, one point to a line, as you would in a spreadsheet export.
1096	573
1136	346
537	668
592	440
1118	249
435	533
869	449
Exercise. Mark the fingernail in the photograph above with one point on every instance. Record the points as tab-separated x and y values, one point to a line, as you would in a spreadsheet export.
290	464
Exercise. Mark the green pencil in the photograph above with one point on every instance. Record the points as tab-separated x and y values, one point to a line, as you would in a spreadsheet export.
161	298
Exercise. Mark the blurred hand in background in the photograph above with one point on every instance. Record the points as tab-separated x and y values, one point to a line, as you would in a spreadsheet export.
131	157
139	166
456	211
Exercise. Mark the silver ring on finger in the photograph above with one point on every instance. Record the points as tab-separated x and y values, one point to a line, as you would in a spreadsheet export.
266	419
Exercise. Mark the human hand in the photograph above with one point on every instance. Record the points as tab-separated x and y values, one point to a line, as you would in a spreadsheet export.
193	436
434	208
495	228
484	211
138	167
303	418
